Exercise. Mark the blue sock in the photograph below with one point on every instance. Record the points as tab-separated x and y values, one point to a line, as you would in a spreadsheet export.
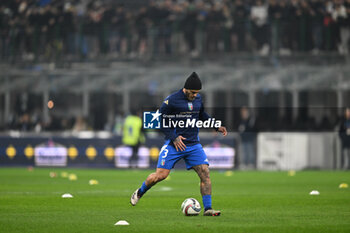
143	189
206	202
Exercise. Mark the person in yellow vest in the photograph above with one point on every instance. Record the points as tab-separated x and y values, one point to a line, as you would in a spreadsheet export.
133	136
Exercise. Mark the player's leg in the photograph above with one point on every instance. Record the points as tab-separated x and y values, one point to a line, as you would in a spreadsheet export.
168	156
205	187
151	180
205	184
197	159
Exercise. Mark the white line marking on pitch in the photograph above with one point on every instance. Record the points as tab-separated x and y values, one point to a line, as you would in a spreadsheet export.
164	189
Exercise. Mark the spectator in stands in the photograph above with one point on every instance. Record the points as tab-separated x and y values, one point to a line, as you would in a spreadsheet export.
25	123
32	32
52	124
86	31
153	13
189	27
69	28
292	30
345	33
95	15
178	41
332	26
80	124
258	16
165	19
247	132
275	15
283	28
54	29
215	21
203	9
112	16
328	27
48	29
239	29
344	134
304	16
340	16
141	24
317	12
4	28
227	26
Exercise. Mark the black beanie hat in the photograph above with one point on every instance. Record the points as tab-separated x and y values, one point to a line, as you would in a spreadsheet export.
193	82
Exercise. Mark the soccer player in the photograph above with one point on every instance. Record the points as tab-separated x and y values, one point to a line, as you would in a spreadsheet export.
183	143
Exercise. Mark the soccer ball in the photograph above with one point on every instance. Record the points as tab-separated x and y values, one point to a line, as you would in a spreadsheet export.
190	207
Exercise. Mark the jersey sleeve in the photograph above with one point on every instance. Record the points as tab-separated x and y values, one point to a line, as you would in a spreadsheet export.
202	114
166	109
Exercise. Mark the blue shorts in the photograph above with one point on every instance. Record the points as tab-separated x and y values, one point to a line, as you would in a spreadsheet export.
193	155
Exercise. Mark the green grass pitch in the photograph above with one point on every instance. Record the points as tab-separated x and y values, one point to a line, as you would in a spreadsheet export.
251	201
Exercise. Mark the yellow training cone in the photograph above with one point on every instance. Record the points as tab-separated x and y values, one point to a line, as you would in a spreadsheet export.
228	173
72	177
93	182
343	186
291	173
64	174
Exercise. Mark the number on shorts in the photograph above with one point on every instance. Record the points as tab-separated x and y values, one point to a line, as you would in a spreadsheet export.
165	151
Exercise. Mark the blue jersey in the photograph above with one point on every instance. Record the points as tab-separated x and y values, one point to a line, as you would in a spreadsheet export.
178	104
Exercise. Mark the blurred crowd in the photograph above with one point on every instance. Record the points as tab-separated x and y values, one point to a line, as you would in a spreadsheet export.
53	29
33	122
260	121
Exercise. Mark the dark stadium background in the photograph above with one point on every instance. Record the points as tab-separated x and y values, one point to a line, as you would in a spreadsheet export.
75	69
